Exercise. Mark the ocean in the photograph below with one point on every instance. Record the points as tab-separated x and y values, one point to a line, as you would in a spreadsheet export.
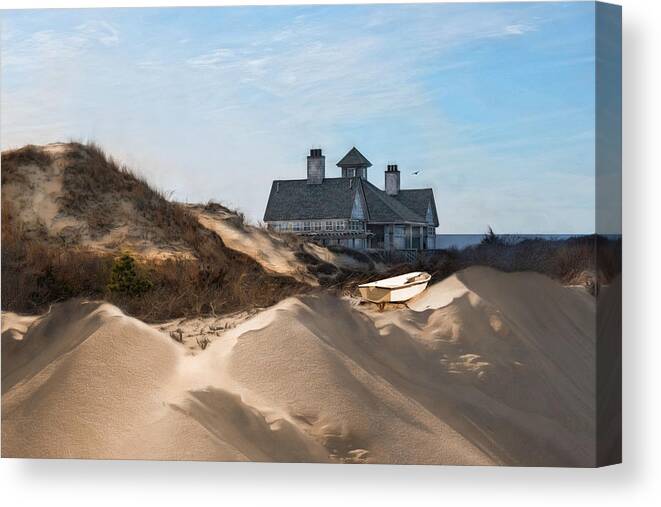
460	241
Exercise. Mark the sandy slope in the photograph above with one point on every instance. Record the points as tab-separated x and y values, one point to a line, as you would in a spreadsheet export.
272	251
36	191
271	254
501	371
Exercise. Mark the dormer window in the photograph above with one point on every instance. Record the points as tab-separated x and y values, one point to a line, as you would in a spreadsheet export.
354	164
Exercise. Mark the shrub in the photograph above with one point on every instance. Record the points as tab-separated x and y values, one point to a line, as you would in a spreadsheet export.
490	238
125	278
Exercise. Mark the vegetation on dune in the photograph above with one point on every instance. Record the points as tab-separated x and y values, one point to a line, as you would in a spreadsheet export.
490	238
126	279
585	260
589	261
38	271
26	155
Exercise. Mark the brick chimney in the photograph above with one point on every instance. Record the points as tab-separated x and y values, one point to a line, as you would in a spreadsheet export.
392	179
316	167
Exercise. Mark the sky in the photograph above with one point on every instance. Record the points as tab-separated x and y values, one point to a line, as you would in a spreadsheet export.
494	104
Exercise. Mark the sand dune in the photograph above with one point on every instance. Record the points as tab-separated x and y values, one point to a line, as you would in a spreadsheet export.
273	252
43	190
273	255
484	368
37	190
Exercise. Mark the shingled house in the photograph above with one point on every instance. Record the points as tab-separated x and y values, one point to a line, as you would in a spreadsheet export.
350	210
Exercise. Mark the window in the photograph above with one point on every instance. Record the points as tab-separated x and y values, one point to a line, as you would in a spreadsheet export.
316	226
340	225
430	231
355	225
307	226
400	231
297	227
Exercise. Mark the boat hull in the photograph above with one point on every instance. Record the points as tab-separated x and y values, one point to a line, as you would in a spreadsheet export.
391	295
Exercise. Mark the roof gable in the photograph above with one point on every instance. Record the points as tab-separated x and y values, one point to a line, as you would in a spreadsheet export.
358	210
419	200
384	208
354	158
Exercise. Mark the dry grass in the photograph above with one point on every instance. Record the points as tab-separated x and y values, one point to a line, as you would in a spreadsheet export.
38	272
94	183
567	260
588	260
26	155
35	273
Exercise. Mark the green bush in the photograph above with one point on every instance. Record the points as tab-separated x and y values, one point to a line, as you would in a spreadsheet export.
125	278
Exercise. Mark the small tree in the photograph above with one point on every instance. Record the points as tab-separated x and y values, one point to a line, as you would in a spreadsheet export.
490	238
125	278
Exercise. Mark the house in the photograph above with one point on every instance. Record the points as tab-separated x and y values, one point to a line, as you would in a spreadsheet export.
350	210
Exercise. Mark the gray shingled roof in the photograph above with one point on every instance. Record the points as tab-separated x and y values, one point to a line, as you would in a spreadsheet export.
354	158
383	208
418	200
298	200
333	198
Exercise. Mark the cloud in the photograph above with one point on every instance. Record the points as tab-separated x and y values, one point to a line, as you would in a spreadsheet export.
211	59
309	76
48	47
232	102
99	31
518	29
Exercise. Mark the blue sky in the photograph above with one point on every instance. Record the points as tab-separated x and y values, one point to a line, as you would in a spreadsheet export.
494	103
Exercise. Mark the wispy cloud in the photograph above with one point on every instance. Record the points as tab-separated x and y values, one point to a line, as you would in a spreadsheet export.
43	47
217	103
314	73
211	59
100	31
518	29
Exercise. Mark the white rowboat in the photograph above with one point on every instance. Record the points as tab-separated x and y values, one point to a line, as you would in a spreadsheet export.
396	289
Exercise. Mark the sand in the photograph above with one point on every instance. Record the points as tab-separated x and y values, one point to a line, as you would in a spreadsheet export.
257	243
37	194
272	251
483	368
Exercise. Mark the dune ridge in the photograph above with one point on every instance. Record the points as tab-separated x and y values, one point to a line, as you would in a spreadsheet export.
484	368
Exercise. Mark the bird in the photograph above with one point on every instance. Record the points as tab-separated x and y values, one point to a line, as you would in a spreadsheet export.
415	173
